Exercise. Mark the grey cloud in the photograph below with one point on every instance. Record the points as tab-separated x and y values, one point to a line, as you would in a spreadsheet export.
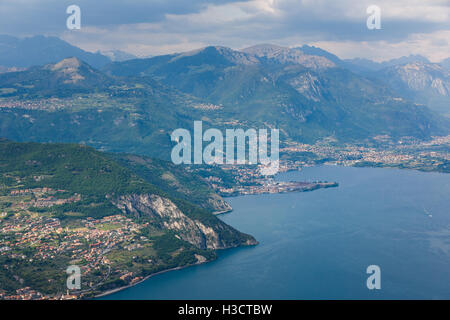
330	20
159	26
49	16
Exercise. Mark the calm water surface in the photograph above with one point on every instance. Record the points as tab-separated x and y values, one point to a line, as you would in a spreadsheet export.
317	245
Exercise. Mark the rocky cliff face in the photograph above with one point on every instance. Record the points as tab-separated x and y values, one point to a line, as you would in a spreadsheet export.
426	83
285	55
420	77
165	214
308	85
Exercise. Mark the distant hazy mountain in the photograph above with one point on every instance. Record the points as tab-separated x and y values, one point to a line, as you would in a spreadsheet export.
315	51
365	65
404	60
428	83
420	77
283	55
10	69
39	50
118	55
445	63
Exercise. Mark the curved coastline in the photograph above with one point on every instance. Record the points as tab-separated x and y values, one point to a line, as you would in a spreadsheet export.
111	291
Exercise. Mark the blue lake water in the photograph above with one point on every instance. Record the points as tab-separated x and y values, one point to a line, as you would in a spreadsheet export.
317	245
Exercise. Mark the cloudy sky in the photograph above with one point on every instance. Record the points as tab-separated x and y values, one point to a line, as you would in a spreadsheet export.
152	27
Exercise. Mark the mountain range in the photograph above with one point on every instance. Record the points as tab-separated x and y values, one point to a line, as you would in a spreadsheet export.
426	83
40	50
118	55
366	65
308	93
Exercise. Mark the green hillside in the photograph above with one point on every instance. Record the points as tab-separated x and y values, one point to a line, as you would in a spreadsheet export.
65	204
307	103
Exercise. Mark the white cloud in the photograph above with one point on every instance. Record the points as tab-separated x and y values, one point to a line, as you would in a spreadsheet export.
409	27
434	46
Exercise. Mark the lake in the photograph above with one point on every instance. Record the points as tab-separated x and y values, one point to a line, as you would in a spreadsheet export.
317	245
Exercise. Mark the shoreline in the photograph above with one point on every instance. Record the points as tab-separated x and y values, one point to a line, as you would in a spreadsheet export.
111	291
216	213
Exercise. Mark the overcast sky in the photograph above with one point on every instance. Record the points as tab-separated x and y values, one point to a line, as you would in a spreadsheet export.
151	27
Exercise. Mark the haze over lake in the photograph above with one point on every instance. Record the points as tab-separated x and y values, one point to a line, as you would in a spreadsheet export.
317	245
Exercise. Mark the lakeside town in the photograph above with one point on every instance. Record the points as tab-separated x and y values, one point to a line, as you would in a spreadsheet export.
432	155
28	236
250	181
407	153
